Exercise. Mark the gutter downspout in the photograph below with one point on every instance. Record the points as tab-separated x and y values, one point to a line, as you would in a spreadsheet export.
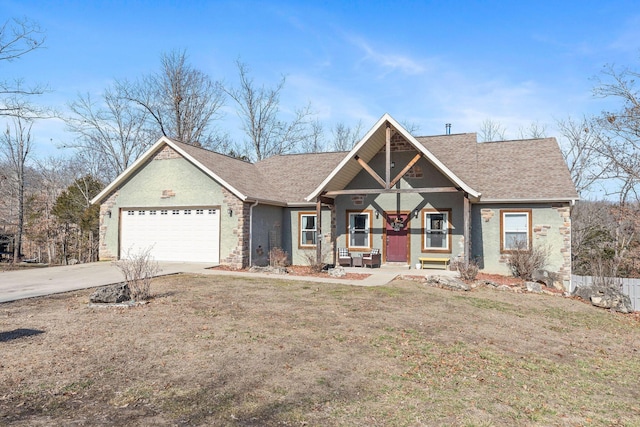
251	232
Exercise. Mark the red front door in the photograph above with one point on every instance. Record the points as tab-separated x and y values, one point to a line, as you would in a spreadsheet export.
397	227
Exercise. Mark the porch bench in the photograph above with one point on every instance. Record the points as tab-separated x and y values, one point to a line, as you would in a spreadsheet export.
439	262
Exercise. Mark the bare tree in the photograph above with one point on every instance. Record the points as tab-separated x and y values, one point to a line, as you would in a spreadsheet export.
534	131
620	141
345	137
315	143
181	101
17	38
111	133
580	144
15	146
412	127
491	131
259	111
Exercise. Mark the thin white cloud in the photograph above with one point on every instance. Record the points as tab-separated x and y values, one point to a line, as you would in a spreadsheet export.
388	61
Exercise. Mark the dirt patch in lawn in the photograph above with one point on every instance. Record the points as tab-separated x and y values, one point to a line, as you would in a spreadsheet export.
214	350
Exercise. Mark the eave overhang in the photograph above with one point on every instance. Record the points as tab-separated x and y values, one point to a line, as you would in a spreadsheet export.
131	170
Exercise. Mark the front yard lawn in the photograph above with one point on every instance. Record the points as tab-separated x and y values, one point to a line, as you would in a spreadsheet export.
214	350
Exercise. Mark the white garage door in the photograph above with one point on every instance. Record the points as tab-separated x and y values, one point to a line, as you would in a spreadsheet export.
185	234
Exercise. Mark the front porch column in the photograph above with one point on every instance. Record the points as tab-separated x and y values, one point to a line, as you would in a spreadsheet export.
467	228
318	231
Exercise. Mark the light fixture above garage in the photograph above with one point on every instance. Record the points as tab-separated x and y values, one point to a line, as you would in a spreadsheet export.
230	211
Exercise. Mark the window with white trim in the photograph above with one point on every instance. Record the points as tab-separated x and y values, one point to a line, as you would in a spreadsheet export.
359	223
308	230
436	230
516	231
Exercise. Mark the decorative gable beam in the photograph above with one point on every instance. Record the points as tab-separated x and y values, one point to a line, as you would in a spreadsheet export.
393	191
373	173
387	148
406	169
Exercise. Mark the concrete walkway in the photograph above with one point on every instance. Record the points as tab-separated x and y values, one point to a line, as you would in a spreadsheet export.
378	276
28	283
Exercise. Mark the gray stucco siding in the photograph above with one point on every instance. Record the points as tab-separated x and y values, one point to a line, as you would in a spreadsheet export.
266	232
173	182
550	227
291	235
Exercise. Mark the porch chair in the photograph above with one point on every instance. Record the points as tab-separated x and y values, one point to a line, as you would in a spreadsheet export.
344	257
372	259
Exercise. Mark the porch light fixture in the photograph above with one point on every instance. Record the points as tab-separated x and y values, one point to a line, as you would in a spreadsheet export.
393	165
109	213
415	213
377	214
230	211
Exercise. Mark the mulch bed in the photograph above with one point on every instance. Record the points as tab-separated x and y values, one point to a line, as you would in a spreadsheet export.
301	270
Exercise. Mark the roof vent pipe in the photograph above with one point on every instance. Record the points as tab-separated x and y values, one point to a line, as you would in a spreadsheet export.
448	128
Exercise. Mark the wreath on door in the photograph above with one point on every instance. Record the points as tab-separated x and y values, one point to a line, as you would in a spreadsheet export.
397	224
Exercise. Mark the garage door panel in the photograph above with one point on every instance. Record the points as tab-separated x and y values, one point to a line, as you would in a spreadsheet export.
185	234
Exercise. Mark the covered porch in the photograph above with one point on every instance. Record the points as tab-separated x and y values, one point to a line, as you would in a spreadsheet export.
390	194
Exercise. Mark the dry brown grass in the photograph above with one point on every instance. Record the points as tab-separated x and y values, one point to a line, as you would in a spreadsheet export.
212	350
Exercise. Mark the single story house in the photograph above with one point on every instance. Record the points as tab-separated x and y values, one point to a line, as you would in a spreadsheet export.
446	197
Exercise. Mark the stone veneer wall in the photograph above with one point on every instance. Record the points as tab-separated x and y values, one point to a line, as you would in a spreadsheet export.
239	256
167	153
104	254
565	230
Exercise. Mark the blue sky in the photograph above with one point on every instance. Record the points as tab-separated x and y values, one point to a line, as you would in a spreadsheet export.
427	63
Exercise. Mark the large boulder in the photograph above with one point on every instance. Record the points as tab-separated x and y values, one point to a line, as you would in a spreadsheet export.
605	296
337	272
448	282
534	287
111	294
549	278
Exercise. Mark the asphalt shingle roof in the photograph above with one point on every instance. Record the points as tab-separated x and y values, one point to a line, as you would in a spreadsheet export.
531	169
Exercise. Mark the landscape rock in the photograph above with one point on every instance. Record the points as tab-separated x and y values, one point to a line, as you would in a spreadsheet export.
447	282
337	272
111	294
269	269
534	287
549	278
504	288
605	296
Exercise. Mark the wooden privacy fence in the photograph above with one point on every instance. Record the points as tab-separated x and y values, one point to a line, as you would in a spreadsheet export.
629	287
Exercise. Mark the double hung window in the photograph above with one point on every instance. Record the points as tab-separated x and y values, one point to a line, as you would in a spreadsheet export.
436	230
308	230
515	227
359	230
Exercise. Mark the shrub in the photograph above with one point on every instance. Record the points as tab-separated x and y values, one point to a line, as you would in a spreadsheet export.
468	271
312	261
278	258
138	270
523	261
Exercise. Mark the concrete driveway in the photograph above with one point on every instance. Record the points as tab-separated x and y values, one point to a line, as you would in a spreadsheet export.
19	284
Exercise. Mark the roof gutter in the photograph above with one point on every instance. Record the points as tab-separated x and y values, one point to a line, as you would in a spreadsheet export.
570	200
265	201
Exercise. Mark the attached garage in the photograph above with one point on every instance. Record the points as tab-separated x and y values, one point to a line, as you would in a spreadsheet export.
176	234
